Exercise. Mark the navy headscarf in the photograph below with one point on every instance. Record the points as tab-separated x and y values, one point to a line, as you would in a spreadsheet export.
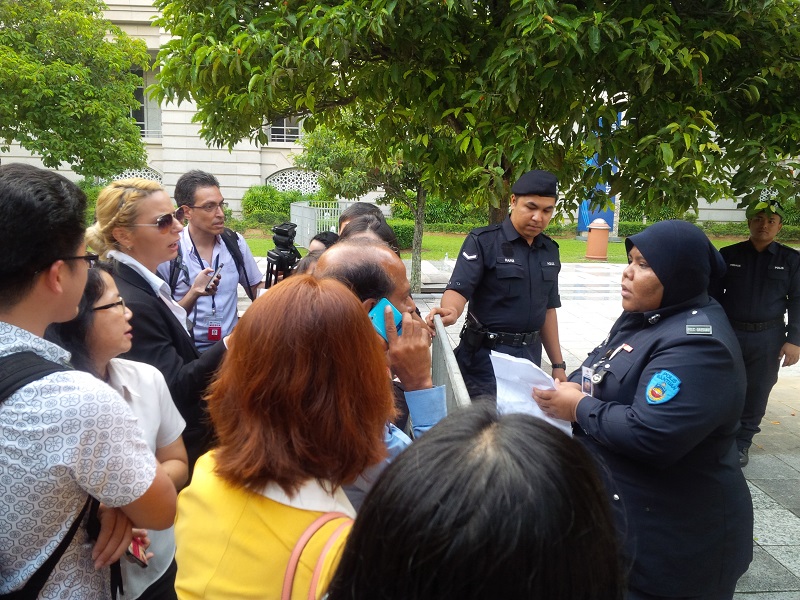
681	256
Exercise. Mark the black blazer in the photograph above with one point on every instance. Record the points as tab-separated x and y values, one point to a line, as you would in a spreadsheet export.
160	340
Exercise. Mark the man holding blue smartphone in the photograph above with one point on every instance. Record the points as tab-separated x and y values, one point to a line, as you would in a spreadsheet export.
378	277
509	275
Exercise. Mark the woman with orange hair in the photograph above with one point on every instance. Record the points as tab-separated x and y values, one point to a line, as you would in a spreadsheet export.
299	408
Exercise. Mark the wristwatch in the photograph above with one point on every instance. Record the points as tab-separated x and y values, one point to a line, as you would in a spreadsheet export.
561	365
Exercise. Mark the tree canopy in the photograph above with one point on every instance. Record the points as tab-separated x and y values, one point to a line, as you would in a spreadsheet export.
674	100
68	89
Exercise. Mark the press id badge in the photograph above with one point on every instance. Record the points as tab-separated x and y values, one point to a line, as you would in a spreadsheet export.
587	386
214	331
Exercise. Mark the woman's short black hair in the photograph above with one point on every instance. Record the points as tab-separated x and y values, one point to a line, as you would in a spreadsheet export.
72	335
484	506
328	238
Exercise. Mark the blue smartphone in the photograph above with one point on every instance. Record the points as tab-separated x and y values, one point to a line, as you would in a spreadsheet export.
377	318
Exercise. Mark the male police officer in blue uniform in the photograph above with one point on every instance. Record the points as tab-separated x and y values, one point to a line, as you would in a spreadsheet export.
762	282
509	275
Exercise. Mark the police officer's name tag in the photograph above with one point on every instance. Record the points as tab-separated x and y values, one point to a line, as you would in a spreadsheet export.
698	330
587	386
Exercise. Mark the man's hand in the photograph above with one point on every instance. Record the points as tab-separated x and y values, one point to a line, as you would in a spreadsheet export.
409	355
560	403
560	375
790	354
116	533
449	315
203	281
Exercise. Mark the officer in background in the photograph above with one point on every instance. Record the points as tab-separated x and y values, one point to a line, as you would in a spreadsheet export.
762	282
509	275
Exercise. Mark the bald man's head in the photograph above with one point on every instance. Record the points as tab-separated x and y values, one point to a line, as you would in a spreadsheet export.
371	269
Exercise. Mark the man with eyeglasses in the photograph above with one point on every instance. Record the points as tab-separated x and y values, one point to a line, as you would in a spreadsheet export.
65	436
761	284
207	245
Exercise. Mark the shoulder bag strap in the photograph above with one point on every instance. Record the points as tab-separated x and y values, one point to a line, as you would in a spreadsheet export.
34	585
20	369
294	559
231	239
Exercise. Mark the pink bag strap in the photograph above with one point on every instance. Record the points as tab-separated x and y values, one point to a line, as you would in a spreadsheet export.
294	559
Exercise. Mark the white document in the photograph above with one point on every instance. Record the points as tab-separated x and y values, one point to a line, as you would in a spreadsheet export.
516	378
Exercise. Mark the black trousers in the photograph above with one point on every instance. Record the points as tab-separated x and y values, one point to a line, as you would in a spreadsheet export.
476	367
760	350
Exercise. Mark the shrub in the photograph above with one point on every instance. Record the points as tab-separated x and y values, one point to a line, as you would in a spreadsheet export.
404	230
92	190
627	228
465	227
718	229
438	211
265	205
789	233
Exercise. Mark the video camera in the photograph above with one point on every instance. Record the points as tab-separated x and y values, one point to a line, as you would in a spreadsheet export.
282	259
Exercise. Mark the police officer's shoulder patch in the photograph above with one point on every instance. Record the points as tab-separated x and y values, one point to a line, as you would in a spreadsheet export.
663	387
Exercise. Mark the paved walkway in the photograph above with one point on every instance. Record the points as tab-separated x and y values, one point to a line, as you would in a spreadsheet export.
590	297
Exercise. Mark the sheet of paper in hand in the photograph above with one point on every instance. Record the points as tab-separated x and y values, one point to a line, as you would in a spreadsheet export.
516	378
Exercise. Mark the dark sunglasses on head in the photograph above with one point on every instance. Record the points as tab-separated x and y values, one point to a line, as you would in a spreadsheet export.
164	222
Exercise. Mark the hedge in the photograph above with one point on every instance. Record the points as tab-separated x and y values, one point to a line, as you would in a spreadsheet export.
404	230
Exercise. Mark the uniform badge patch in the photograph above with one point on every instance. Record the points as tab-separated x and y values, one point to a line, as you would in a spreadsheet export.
663	386
469	256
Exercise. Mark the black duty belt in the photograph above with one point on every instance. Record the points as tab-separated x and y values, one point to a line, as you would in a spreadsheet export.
491	339
741	326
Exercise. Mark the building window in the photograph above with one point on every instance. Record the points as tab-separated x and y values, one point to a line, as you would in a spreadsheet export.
284	130
148	114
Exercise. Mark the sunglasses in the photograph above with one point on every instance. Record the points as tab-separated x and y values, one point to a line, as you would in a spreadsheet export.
119	302
164	222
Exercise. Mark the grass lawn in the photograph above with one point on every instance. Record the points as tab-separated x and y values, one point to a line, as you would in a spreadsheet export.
435	246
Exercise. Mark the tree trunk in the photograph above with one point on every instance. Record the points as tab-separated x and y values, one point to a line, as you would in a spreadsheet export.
498	214
416	246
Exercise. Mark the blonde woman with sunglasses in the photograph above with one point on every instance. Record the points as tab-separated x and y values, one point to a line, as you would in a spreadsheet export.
137	229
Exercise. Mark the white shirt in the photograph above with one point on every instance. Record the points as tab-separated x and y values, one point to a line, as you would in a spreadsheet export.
159	286
144	389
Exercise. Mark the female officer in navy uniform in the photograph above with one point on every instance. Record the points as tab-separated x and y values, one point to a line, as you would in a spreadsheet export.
658	404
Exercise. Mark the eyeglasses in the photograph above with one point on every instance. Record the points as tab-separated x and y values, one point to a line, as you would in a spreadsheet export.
211	207
120	302
164	222
91	259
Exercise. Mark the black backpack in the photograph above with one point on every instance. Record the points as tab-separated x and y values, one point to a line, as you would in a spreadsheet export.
231	239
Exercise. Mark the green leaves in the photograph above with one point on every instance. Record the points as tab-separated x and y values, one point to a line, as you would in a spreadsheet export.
478	92
68	90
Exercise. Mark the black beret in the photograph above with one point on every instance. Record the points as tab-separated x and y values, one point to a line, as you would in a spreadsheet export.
536	183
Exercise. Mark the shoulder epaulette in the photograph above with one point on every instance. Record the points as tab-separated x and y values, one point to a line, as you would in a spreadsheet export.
697	323
488	228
